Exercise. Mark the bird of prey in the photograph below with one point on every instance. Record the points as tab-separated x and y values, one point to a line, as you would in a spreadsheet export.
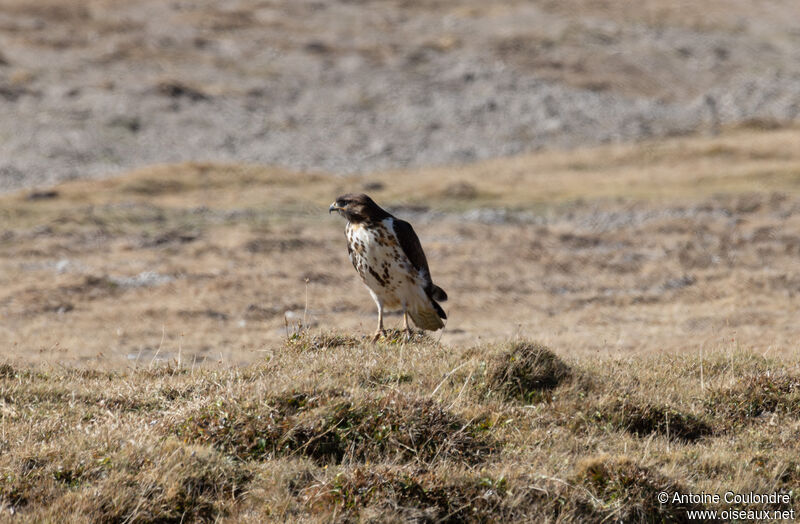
389	258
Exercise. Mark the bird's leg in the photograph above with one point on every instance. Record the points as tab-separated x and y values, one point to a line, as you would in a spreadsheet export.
380	331
406	328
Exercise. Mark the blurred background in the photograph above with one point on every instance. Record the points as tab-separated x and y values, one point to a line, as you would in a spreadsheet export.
90	88
603	176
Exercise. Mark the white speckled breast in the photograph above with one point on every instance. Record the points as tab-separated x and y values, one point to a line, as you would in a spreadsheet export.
386	271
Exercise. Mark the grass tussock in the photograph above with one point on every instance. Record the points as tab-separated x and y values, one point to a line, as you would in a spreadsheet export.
527	371
335	429
622	490
756	395
32	479
247	431
413	496
7	370
646	418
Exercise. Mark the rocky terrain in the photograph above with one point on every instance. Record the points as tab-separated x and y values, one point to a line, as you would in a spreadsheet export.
93	88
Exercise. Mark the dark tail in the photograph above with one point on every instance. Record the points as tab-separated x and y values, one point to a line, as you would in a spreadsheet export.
437	293
438	308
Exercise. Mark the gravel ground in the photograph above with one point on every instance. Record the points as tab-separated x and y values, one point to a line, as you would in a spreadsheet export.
95	88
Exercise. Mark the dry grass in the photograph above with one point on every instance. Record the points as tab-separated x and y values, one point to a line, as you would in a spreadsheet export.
527	371
392	427
644	418
280	440
757	394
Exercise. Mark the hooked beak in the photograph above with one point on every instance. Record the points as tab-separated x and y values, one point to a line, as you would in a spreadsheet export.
333	208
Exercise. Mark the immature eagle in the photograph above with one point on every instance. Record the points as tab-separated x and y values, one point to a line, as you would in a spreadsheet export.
387	254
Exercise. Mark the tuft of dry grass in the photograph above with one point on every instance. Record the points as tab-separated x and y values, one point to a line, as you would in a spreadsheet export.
527	371
162	481
645	418
7	370
627	492
756	395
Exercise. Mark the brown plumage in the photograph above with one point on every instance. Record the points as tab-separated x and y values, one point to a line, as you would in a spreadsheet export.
388	256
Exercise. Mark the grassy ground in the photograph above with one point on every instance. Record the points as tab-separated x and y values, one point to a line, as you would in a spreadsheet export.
187	342
328	427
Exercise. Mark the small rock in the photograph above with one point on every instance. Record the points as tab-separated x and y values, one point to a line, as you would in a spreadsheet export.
48	194
176	89
317	47
679	283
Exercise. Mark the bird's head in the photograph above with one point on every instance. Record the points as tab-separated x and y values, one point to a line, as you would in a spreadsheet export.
358	208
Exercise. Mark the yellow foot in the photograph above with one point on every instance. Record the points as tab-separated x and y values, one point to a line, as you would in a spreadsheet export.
380	333
409	335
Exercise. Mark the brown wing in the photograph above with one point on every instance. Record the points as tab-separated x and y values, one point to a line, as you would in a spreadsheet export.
409	243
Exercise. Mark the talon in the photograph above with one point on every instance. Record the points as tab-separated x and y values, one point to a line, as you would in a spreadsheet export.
379	334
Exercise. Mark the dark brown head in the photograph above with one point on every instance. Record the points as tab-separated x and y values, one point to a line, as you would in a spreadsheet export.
358	208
